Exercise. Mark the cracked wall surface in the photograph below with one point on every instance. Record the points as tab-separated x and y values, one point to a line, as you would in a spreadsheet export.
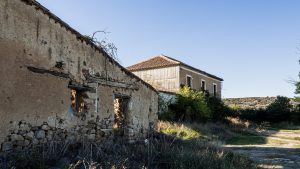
42	60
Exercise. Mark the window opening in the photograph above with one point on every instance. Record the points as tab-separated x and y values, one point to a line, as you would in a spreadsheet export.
215	90
189	81
203	85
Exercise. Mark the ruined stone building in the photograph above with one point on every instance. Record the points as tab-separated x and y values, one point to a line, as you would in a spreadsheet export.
56	84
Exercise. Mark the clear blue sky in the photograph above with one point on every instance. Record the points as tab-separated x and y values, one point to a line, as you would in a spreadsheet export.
250	43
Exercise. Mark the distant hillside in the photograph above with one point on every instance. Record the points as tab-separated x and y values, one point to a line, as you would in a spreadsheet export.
251	102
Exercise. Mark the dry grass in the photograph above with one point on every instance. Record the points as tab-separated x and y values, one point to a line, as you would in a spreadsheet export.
180	131
186	146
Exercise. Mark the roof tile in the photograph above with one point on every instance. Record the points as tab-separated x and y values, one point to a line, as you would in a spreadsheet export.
155	62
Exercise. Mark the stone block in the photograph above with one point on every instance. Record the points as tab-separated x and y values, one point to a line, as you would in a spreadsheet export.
30	135
20	143
26	142
35	141
45	127
93	131
91	137
16	137
24	127
40	134
6	146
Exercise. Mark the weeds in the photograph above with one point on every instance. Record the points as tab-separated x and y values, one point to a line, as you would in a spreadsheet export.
178	150
179	130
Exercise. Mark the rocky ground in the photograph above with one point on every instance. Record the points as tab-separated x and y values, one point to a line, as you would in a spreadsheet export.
271	149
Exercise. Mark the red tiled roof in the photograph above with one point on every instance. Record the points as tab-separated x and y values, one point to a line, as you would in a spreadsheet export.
156	62
165	61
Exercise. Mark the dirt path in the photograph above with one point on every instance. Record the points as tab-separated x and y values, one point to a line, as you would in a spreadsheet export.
280	150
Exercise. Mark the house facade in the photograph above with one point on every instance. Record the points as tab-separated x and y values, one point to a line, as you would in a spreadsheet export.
58	85
168	75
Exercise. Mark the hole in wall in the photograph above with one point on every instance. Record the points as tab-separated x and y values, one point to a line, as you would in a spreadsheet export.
78	104
60	65
78	98
121	104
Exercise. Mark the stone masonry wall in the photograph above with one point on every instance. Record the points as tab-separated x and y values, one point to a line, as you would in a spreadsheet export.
25	135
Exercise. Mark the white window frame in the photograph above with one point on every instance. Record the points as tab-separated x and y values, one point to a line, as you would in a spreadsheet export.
215	84
204	84
186	80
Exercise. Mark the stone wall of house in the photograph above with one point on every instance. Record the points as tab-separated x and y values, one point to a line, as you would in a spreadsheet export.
43	61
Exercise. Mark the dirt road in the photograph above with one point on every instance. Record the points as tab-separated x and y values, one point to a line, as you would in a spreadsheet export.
276	149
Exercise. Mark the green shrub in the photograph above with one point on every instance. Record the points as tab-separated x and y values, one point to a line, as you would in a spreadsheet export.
167	116
217	108
295	115
191	105
280	110
256	115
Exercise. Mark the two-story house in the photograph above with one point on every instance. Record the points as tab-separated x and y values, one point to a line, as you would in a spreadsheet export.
168	75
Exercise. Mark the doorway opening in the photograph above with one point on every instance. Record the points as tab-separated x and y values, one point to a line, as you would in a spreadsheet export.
121	105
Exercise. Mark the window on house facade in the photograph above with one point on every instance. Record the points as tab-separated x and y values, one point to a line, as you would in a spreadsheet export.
215	89
189	81
203	85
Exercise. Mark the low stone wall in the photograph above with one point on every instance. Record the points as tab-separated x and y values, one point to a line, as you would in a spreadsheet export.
24	135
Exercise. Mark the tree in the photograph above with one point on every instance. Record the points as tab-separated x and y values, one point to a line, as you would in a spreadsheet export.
279	110
297	84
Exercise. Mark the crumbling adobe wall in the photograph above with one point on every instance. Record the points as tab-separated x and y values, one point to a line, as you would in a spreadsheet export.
42	58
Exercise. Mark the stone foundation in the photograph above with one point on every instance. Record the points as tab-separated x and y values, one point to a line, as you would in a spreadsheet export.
24	134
